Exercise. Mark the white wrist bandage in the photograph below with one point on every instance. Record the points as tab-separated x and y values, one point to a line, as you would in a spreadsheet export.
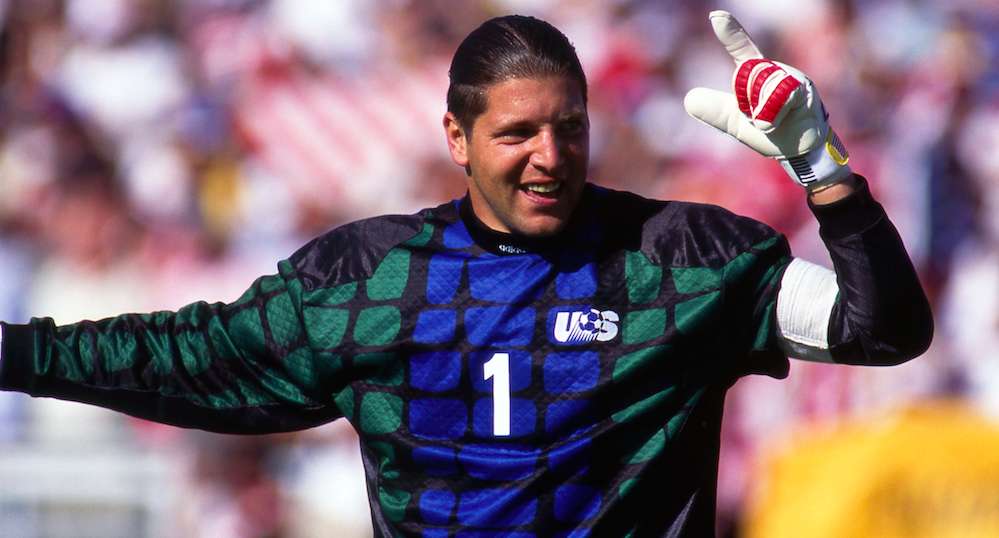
805	302
824	165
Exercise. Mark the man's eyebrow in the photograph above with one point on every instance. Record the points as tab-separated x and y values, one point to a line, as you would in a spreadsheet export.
513	124
507	125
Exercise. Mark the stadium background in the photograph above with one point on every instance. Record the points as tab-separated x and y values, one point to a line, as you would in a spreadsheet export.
156	152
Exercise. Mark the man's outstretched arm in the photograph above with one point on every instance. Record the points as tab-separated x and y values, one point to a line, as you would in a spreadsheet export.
244	367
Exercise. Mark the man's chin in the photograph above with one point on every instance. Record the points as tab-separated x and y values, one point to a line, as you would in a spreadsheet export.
541	226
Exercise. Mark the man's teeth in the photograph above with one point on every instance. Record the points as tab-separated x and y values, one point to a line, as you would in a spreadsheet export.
544	187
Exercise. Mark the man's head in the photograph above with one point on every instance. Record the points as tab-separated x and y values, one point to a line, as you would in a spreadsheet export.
503	48
517	122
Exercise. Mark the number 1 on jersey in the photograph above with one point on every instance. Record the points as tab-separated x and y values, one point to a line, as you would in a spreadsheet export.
498	369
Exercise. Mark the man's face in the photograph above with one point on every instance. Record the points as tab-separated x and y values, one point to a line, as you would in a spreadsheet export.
528	154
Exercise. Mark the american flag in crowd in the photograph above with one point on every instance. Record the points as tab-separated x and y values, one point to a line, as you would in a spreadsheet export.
332	134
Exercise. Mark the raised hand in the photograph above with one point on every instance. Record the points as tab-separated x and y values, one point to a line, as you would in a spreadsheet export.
775	110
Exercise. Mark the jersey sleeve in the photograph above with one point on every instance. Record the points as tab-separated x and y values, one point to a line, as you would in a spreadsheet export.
244	367
869	310
881	315
751	286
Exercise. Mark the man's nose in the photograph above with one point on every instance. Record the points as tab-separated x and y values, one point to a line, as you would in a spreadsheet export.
547	154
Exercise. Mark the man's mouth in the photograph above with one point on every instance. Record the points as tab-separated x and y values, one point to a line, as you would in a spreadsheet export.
543	189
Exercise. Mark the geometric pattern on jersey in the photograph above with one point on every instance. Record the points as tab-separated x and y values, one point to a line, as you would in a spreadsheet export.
496	391
523	333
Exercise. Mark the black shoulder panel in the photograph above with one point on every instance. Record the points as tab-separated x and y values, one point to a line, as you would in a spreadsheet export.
678	234
351	252
703	235
623	214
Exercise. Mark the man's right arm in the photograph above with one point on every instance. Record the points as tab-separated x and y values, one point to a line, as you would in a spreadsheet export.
244	367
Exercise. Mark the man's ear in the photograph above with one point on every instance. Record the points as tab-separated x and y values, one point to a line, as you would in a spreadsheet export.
457	142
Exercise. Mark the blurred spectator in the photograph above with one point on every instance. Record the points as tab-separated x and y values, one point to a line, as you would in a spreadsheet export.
970	303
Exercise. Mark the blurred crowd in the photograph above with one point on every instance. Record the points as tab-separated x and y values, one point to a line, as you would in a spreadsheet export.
157	152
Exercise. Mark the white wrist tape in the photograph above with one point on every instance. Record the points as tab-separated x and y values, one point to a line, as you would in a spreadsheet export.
804	306
823	165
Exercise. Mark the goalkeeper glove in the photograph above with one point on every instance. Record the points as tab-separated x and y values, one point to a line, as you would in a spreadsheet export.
776	110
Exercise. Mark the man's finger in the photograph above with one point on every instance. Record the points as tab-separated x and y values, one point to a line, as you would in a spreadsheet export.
715	108
721	111
733	36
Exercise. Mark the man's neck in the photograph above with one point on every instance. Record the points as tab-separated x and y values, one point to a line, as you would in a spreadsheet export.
505	243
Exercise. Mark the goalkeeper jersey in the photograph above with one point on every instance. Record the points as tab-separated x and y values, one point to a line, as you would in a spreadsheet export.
500	386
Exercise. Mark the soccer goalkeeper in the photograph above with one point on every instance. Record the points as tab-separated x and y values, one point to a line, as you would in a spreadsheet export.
543	357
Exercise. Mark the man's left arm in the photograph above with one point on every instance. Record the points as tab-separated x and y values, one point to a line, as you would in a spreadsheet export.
872	310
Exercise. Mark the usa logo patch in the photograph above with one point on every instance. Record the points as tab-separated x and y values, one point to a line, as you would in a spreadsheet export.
576	325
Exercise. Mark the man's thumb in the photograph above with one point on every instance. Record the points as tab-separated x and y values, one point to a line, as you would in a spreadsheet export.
721	111
716	108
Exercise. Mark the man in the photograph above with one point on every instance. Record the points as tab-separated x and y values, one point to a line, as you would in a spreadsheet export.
543	357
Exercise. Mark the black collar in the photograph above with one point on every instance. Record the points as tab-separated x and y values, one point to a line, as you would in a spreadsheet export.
504	243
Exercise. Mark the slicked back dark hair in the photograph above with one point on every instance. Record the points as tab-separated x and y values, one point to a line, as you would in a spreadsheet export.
504	48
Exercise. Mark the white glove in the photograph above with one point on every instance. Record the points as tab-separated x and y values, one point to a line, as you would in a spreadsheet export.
776	110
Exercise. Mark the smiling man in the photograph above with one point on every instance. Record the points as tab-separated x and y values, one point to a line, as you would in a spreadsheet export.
528	152
543	357
517	123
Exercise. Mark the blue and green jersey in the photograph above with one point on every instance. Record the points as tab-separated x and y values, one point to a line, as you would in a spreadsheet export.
500	386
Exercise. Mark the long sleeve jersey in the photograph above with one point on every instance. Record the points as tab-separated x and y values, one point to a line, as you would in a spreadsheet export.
569	386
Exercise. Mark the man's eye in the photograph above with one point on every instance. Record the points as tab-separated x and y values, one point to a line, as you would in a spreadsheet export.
571	127
515	135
